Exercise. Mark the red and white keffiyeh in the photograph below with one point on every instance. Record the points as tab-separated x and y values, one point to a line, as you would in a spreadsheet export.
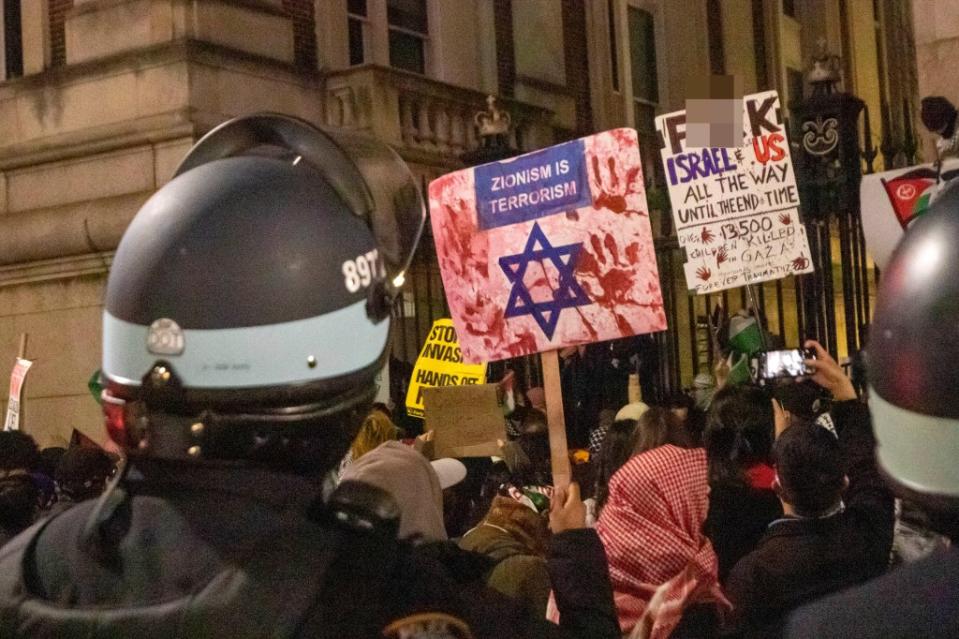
660	561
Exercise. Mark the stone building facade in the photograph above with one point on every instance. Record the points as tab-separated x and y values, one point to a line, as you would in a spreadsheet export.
100	99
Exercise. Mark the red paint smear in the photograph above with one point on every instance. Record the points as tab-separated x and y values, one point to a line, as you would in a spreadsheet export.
597	251
611	246
611	163
616	283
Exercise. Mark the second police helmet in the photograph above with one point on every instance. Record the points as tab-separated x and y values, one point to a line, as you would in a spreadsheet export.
247	310
913	359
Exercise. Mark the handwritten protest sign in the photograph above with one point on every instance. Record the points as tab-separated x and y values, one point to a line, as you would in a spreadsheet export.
440	364
891	200
736	210
466	421
548	250
17	378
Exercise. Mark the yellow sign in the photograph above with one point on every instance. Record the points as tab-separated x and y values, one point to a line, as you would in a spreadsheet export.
440	364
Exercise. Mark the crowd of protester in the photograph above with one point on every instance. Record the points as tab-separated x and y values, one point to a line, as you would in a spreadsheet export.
718	515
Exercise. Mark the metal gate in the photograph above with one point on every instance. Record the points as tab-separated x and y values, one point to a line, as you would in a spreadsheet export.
832	305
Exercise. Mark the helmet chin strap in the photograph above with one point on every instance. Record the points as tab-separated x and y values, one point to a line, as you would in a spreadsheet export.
163	423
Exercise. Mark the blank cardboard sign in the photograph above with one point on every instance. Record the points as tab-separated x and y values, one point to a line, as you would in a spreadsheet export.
466	420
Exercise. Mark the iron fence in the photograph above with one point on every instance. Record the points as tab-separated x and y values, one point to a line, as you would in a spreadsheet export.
832	305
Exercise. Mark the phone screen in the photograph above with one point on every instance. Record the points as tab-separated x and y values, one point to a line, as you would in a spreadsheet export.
783	364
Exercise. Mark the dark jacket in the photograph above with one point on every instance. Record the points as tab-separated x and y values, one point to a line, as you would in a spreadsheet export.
737	519
916	601
222	552
799	560
516	572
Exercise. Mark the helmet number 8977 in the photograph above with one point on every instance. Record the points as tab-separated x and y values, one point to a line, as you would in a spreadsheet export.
360	272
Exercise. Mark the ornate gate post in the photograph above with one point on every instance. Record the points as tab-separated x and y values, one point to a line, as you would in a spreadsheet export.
828	168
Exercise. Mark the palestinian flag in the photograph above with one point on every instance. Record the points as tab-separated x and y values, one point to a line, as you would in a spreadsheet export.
744	334
910	193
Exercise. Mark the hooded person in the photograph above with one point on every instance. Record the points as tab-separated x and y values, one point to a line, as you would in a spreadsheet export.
19	496
663	568
412	482
82	474
515	535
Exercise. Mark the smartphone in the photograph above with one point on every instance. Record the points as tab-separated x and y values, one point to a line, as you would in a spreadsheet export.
775	365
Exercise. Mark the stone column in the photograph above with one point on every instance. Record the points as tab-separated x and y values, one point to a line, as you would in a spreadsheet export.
35	27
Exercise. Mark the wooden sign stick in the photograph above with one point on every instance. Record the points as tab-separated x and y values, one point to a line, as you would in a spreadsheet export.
555	417
22	353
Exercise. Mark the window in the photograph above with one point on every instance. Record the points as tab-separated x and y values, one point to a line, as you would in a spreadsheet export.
613	44
358	26
645	83
789	8
408	30
12	39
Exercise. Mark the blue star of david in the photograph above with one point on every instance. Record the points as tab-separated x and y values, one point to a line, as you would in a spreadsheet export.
567	295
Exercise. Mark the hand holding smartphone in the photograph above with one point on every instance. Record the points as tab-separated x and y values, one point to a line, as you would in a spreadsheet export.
773	366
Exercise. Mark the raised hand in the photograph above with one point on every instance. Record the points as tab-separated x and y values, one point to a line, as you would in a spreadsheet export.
828	374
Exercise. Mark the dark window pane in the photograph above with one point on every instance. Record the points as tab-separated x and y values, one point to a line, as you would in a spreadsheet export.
13	46
613	45
356	7
406	52
356	42
794	82
714	32
644	116
642	50
408	14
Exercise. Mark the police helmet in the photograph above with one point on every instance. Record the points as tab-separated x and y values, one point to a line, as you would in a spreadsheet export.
247	310
913	360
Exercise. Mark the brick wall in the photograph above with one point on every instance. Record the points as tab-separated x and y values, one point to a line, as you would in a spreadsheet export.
304	32
58	42
505	56
577	64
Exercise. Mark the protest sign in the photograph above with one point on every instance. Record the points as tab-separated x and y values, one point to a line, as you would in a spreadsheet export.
891	200
440	364
549	249
466	421
736	210
17	378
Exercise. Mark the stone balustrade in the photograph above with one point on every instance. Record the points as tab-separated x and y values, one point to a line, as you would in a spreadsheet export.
423	118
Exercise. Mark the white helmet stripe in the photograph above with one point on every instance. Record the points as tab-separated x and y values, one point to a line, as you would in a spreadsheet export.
339	343
919	451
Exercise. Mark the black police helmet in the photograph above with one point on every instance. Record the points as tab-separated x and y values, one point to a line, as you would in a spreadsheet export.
248	307
913	358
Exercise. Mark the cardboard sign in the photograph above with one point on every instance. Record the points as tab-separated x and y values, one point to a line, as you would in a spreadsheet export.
891	200
466	420
17	378
440	364
736	210
548	250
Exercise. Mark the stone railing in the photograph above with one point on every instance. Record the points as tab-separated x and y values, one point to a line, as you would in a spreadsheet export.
424	119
